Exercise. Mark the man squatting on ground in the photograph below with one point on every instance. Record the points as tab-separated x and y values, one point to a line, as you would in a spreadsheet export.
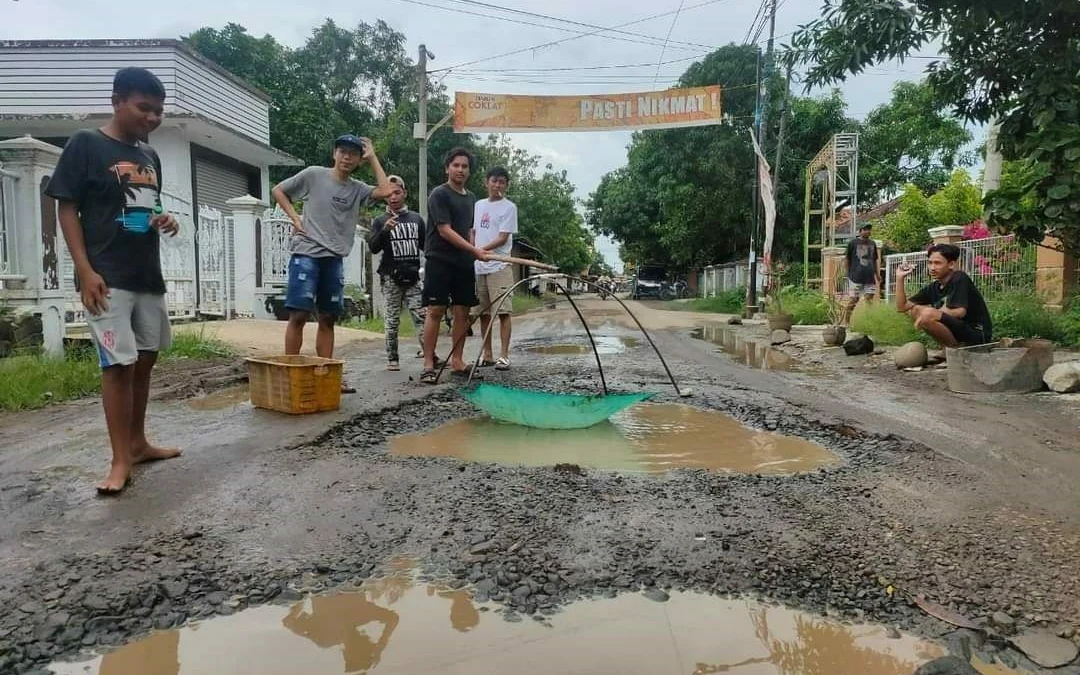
108	184
323	237
449	275
399	235
949	309
495	222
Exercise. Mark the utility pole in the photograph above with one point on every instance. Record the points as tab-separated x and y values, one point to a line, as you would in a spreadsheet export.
785	111
992	169
420	132
761	120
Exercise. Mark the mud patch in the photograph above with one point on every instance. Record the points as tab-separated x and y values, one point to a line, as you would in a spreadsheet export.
400	625
749	353
605	345
183	378
645	438
225	399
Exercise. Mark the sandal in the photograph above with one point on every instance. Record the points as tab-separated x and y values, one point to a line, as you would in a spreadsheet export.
346	389
393	366
429	377
503	363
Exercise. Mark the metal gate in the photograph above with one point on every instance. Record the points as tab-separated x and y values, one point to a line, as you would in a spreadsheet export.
213	263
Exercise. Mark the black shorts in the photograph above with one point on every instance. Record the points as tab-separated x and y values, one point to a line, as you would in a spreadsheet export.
446	284
965	333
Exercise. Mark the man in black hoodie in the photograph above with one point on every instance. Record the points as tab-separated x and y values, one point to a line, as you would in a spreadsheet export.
399	235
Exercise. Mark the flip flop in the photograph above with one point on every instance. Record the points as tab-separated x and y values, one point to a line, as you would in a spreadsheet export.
429	377
502	364
393	366
346	389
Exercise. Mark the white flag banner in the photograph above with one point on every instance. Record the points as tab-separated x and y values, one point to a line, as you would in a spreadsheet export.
767	202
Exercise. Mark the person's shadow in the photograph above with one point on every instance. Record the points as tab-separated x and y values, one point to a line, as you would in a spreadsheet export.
463	615
337	620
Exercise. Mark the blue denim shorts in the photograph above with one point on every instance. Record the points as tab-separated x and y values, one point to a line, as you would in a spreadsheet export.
316	284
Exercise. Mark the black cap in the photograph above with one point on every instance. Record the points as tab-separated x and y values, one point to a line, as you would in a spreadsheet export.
865	226
351	140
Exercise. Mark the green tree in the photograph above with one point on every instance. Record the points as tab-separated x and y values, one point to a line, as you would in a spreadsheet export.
910	139
1014	61
957	203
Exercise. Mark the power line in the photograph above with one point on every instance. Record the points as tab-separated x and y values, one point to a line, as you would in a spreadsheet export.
653	41
758	17
576	37
577	68
570	21
666	39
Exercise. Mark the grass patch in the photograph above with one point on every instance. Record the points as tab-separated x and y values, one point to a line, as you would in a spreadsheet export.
807	307
35	380
189	344
728	302
1020	314
885	325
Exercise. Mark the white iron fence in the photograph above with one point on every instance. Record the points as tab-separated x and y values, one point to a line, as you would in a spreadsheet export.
996	264
274	248
213	257
7	226
717	279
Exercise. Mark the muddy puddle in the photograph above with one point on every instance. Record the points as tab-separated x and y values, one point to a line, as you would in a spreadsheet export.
571	346
748	352
645	438
224	399
397	625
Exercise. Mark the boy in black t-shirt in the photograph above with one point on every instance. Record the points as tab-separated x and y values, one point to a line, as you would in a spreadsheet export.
449	276
108	183
949	309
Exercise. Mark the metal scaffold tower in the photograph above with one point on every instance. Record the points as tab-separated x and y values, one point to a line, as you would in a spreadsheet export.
835	171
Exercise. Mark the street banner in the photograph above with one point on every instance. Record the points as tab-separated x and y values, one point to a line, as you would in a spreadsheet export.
498	113
767	202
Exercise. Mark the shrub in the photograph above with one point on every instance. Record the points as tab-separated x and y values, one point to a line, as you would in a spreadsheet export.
728	302
807	307
1020	314
885	325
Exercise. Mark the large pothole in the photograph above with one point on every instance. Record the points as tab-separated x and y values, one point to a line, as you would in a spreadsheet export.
648	437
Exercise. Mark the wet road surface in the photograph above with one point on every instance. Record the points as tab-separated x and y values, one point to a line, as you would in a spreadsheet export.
972	503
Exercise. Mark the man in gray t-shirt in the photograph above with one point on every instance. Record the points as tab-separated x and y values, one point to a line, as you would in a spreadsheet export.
324	236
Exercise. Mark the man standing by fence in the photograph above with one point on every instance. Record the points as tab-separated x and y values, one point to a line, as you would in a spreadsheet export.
108	183
399	235
863	275
323	238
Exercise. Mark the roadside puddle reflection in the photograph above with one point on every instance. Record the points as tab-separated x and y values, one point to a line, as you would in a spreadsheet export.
399	625
749	353
605	345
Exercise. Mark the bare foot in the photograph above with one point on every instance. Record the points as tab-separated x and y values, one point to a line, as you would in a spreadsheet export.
149	453
458	365
118	479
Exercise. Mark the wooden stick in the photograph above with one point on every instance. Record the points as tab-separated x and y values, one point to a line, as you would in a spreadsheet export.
521	261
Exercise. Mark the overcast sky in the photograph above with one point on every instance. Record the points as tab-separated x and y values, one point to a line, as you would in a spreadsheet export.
457	38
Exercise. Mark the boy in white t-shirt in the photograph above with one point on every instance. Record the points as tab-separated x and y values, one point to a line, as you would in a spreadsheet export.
494	225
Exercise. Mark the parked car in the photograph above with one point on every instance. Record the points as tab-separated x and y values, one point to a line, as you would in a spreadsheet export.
650	282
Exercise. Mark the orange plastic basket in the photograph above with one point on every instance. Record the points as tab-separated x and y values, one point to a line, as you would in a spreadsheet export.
295	384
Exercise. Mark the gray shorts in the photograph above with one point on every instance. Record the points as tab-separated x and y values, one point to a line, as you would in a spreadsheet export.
134	322
856	290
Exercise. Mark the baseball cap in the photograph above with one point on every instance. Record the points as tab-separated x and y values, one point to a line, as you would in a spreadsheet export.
349	139
397	180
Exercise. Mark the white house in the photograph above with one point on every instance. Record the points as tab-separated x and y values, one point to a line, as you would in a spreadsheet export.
215	151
